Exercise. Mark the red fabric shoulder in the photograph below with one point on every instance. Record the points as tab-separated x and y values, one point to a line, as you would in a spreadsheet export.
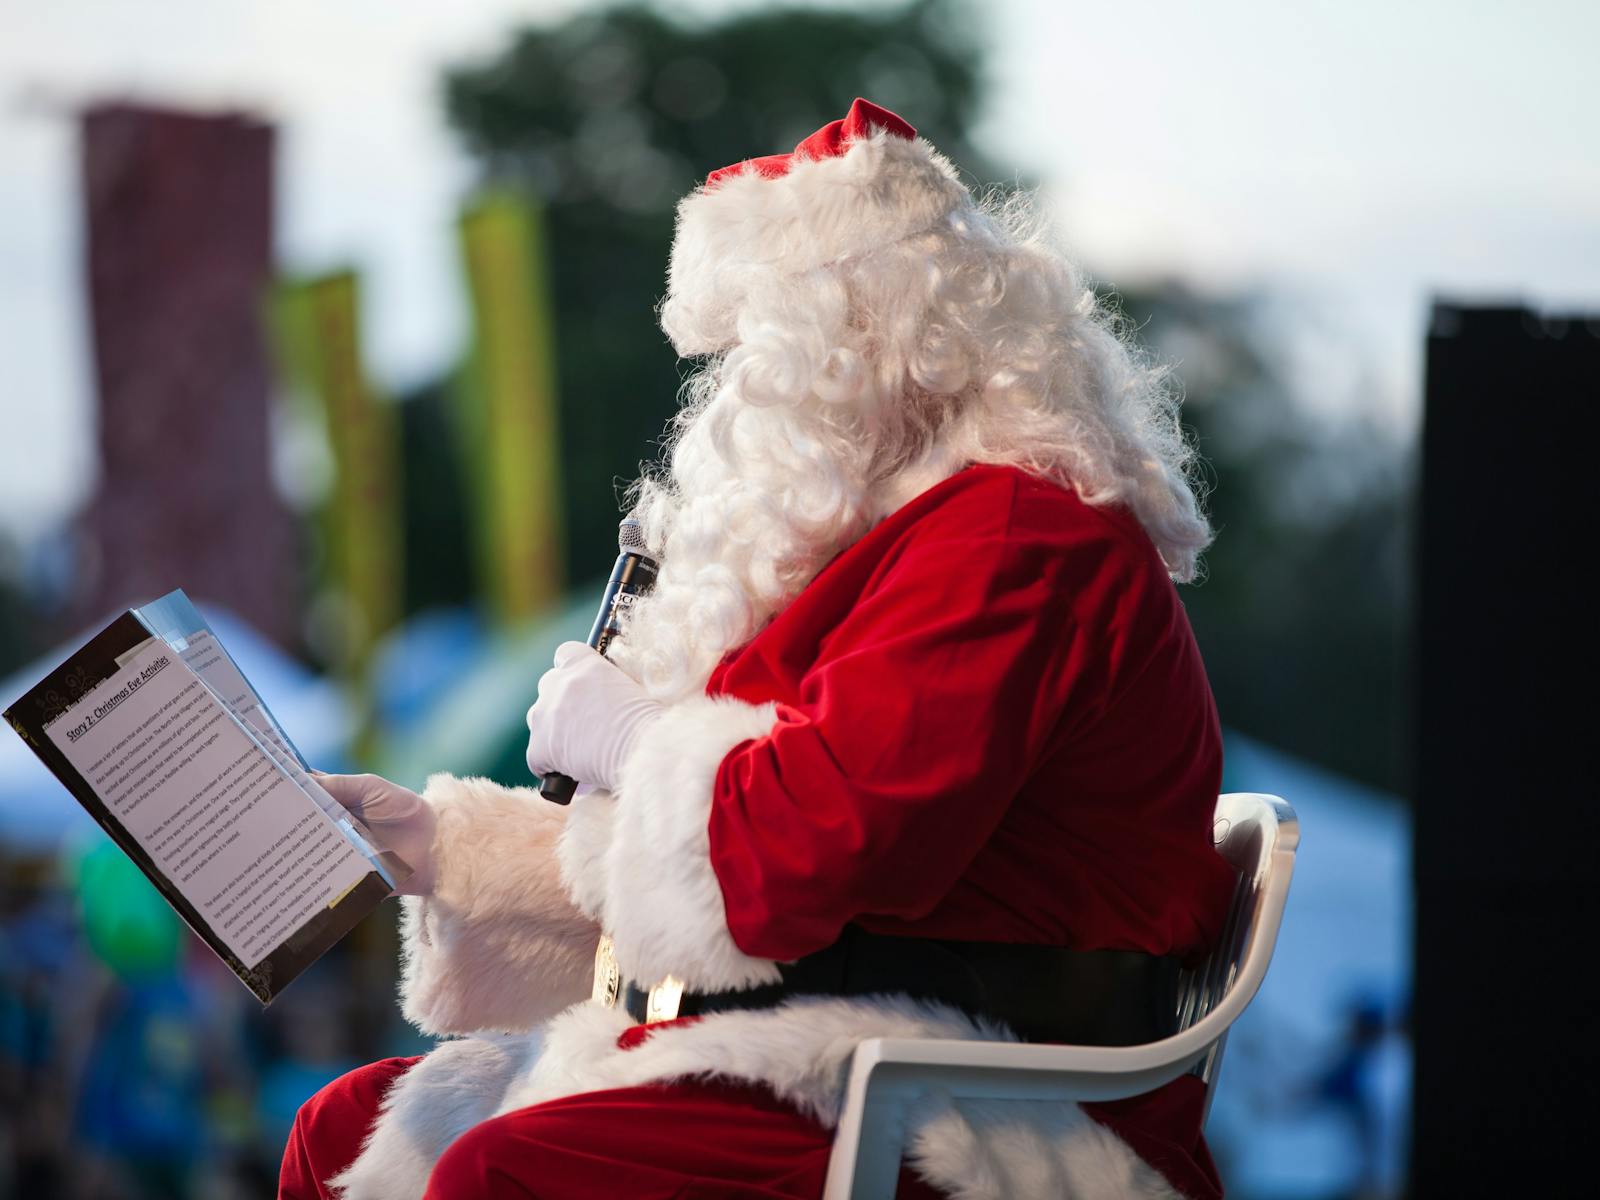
1100	553
1005	500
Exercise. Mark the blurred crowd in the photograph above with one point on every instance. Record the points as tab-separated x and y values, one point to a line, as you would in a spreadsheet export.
133	1065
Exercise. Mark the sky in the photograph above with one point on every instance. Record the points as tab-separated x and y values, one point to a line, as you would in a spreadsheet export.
1356	158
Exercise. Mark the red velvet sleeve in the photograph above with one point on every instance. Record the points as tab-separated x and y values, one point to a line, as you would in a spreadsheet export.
914	729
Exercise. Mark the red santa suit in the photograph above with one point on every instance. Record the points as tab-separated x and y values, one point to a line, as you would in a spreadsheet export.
984	719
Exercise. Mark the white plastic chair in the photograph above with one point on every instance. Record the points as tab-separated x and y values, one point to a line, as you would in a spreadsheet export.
1258	835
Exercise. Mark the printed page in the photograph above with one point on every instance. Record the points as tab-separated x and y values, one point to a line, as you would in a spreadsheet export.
204	655
217	815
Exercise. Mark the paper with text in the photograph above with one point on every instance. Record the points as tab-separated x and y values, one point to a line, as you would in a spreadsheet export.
205	656
226	823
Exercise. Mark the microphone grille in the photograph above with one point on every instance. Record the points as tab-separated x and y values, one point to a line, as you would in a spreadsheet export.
630	537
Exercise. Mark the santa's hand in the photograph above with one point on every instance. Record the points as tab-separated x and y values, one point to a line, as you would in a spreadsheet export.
400	820
588	716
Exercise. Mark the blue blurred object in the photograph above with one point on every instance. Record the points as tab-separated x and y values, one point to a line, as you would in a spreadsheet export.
286	1084
420	661
1313	1098
143	1089
40	955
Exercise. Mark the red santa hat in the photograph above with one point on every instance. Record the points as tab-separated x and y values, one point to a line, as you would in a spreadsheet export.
852	186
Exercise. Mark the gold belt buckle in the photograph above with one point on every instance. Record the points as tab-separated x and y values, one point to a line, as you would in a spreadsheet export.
665	998
607	976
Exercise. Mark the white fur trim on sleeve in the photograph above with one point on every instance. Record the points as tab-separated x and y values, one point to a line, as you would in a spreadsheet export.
664	906
498	945
582	850
458	1084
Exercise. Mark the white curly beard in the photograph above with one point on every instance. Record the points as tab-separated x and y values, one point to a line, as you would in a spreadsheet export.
739	536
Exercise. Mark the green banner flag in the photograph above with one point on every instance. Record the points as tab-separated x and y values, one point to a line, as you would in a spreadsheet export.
318	326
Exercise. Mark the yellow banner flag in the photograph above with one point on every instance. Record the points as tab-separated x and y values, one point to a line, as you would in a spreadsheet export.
507	406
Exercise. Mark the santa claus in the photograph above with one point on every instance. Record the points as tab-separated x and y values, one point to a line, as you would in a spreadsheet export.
911	739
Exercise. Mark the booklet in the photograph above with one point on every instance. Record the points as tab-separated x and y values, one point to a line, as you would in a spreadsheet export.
154	729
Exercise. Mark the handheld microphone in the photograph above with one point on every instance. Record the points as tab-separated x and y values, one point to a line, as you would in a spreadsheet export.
631	578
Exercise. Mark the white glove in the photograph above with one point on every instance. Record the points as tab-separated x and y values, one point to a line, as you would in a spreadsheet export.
400	820
587	718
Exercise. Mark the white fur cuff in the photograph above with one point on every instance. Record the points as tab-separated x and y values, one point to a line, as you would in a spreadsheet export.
664	906
498	945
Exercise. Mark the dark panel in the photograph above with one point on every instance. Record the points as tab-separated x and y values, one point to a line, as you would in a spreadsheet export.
1505	1024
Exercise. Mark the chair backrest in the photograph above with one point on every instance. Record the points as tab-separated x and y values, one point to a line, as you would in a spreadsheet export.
1258	835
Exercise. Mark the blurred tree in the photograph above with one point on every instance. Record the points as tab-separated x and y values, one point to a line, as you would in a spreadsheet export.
27	627
1301	616
16	624
610	117
438	561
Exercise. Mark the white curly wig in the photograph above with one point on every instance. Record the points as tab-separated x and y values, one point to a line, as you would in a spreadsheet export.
870	327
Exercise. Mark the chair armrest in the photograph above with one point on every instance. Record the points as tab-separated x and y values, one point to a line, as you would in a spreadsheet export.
887	1075
1020	1069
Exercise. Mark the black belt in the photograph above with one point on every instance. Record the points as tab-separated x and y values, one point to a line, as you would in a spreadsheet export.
1042	993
